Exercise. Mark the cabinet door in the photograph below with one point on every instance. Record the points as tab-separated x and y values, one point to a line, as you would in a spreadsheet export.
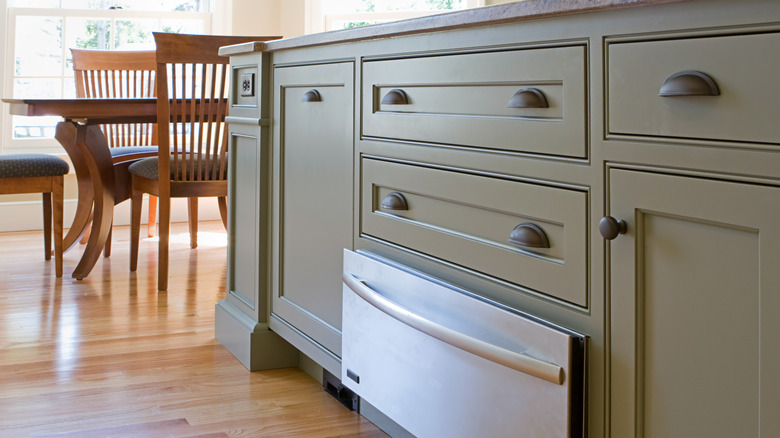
694	295
314	144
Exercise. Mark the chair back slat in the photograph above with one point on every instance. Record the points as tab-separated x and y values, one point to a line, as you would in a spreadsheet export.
222	134
118	74
192	105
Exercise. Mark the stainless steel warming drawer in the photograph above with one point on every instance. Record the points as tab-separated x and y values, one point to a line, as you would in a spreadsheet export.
440	361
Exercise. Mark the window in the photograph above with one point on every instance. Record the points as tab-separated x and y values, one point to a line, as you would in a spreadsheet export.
39	39
343	14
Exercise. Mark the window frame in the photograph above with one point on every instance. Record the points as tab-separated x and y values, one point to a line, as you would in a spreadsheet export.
8	144
317	21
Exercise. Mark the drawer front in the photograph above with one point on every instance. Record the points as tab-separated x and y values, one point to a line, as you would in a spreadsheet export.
523	100
742	67
487	224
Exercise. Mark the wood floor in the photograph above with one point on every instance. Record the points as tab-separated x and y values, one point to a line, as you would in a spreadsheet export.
109	356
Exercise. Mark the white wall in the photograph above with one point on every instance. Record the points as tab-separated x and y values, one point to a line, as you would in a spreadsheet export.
293	18
269	17
256	17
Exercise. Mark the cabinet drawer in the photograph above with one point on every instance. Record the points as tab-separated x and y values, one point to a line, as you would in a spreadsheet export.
465	100
486	224
742	67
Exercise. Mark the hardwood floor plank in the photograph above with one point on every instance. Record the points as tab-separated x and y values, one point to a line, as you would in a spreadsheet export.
110	356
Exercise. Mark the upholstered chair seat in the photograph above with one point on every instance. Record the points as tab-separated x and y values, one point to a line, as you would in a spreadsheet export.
147	168
39	173
32	165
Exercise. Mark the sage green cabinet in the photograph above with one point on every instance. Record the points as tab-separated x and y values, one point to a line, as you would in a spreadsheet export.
533	235
521	100
241	317
679	310
313	168
719	88
693	295
247	172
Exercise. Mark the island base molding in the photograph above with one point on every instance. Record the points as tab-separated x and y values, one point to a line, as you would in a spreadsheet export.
255	346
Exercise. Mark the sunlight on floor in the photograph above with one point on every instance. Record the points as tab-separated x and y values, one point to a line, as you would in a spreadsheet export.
208	239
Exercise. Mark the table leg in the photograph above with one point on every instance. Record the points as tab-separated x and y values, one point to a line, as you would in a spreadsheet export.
66	135
92	144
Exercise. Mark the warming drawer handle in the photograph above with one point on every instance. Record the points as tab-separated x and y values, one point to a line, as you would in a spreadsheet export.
517	361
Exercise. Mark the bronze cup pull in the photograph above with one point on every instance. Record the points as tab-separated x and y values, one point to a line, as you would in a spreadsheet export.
396	96
689	83
528	98
312	96
394	201
530	235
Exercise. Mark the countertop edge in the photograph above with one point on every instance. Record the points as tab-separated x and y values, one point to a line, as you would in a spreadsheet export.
238	49
489	15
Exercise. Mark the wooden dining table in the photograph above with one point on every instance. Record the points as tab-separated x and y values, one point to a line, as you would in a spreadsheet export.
102	181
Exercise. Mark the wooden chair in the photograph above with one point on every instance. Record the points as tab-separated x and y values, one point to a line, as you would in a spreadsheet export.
39	173
125	74
192	90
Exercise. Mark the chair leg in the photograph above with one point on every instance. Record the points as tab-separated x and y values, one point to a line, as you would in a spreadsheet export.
222	202
85	236
135	227
192	203
47	225
58	195
162	251
107	247
152	224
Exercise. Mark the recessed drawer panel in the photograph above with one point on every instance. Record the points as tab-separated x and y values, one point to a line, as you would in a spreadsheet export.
531	235
717	88
522	100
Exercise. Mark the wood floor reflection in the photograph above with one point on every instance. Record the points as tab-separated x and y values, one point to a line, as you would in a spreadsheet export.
110	356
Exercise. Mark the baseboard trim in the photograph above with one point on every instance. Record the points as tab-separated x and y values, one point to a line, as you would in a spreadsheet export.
28	215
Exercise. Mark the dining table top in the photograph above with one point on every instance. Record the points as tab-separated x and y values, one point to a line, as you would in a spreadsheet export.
88	110
94	111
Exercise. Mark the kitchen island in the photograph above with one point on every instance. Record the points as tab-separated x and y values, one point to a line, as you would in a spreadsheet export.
636	140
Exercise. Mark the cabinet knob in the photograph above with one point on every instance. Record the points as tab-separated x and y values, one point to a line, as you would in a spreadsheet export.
394	201
610	228
311	96
396	96
528	234
689	83
528	98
